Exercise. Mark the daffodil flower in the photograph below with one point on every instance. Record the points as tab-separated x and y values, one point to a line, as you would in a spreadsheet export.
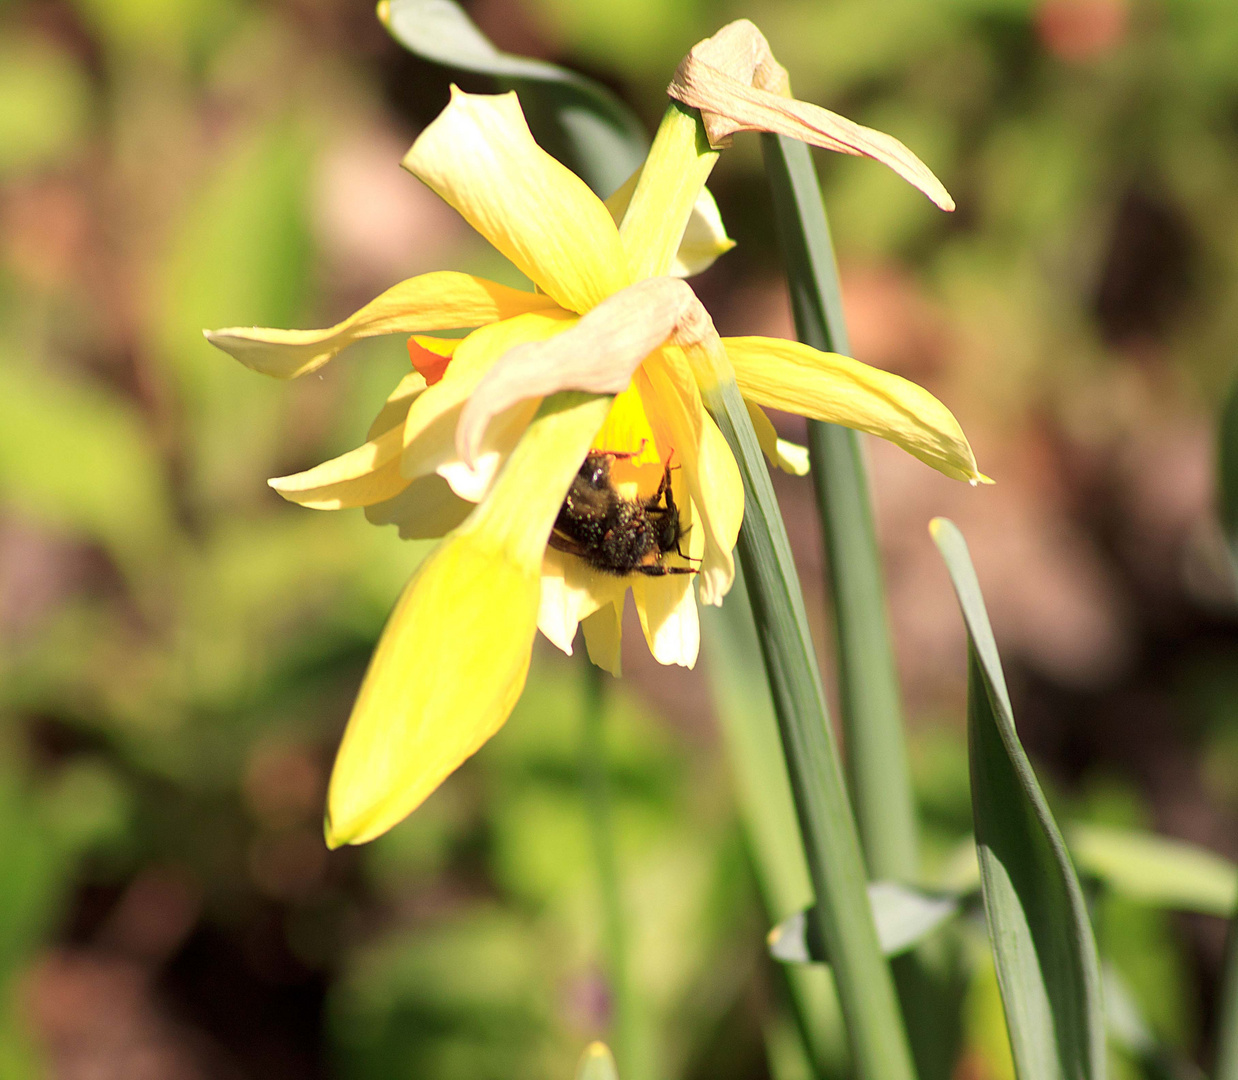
481	441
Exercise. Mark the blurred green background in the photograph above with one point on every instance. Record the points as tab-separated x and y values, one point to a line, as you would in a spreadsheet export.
179	648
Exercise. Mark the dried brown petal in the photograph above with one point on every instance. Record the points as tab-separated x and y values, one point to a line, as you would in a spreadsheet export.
737	84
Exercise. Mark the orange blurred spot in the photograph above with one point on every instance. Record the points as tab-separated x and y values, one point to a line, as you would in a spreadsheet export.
1079	30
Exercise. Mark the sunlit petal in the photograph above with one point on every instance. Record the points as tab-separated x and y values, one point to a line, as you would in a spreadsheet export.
572	591
426	509
443	300
708	466
704	238
603	632
737	84
788	456
430	428
824	386
447	672
368	474
398	402
454	655
479	156
668	616
599	354
364	476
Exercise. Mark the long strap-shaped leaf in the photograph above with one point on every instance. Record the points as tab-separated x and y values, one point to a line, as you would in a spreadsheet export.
872	714
576	119
841	916
1038	925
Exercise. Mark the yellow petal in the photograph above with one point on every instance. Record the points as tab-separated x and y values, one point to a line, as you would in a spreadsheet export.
443	300
364	476
824	386
454	655
480	157
788	456
704	237
395	409
603	632
668	616
572	591
666	192
368	474
708	465
447	672
430	428
426	509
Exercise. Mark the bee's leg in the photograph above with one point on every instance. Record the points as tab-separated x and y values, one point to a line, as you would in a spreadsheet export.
658	570
664	491
680	551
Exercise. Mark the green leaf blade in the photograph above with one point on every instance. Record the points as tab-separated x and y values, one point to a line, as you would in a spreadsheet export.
1041	938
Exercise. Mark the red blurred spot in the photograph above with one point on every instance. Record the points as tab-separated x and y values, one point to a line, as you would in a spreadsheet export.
1079	30
428	364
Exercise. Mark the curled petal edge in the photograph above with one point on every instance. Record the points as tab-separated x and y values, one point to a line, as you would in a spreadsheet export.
737	84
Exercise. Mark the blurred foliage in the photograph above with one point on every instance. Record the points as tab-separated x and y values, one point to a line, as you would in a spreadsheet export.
179	648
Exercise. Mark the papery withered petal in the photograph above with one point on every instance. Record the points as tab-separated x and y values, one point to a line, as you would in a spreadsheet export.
733	79
598	355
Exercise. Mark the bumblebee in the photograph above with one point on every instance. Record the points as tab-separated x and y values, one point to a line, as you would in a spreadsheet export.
614	534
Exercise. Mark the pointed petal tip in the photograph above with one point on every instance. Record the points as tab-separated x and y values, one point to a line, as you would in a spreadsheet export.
332	838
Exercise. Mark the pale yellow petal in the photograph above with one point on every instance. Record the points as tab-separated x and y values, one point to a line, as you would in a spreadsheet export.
443	300
572	591
447	672
398	402
479	156
430	428
603	632
708	466
788	456
368	474
824	386
668	616
704	237
598	354
425	510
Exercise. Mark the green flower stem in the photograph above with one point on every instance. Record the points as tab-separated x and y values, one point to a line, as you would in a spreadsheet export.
841	913
596	782
679	163
880	780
